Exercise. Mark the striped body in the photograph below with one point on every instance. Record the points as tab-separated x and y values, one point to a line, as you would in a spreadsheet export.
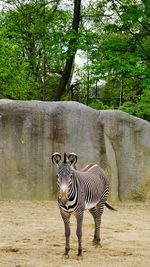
87	190
80	190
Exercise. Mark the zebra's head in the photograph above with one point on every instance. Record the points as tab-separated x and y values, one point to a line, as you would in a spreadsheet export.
64	174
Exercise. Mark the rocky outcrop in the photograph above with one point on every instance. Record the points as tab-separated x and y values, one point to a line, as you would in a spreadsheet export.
127	141
30	131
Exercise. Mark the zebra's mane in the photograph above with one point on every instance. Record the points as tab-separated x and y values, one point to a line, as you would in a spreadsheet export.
65	158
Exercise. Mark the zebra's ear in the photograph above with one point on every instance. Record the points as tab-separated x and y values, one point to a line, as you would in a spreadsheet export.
56	157
72	157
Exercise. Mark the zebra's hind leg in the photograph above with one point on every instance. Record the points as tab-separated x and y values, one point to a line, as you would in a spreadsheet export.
96	239
97	213
100	209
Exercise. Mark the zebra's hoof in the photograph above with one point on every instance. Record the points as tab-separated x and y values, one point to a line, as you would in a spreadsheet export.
66	256
79	257
97	243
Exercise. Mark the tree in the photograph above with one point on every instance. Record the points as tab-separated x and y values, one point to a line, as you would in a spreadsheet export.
71	51
120	50
35	31
38	48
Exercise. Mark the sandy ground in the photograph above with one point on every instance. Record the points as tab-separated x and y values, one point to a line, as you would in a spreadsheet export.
31	234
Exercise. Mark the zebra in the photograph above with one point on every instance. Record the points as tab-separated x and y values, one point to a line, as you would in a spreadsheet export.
78	190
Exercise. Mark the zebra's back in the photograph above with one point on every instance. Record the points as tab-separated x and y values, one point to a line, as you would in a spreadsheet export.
94	186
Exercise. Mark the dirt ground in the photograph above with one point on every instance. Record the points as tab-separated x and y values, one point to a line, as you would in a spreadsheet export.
31	234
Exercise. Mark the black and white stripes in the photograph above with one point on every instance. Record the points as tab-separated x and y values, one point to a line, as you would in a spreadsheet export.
80	190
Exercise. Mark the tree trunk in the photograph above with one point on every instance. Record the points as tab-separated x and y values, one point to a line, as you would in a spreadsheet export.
72	49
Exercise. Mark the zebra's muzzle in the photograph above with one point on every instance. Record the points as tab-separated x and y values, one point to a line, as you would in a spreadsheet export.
63	197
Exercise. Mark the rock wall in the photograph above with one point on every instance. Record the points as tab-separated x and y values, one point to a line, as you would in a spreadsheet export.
30	131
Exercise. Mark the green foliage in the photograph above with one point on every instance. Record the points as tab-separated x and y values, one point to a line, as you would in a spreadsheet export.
141	108
114	37
97	104
33	46
119	54
129	107
14	80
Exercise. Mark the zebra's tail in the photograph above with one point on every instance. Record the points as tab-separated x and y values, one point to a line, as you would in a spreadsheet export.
109	206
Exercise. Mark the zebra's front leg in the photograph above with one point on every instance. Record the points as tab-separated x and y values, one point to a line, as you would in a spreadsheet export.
79	217
66	219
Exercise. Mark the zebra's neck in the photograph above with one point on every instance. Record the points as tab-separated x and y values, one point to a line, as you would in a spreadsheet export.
72	202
